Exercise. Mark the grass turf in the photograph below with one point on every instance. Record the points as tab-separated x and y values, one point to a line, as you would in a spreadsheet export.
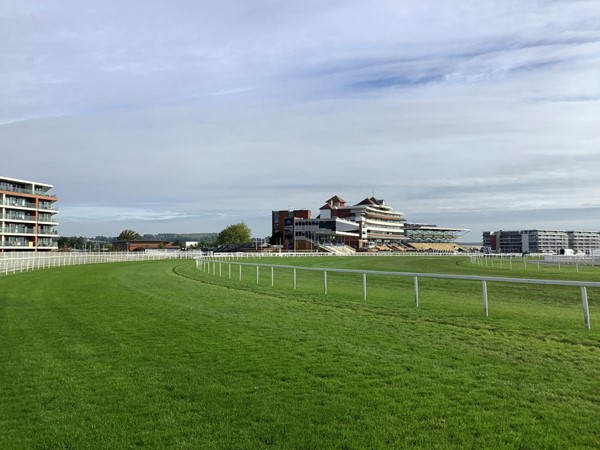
159	354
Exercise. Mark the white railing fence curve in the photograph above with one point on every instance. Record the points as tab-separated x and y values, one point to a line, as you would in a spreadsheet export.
13	262
214	265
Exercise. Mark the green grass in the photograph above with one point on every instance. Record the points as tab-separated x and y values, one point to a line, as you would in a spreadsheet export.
159	354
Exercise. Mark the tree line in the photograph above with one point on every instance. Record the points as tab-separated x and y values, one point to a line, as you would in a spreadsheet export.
239	233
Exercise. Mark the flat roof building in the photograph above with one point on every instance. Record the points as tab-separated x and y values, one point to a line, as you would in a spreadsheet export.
27	216
540	241
583	241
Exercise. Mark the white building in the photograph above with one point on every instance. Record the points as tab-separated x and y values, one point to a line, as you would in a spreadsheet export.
378	223
27	211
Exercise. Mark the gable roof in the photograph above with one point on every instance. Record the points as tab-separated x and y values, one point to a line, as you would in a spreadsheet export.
370	201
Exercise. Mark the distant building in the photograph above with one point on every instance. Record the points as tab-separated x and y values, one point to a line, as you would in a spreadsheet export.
140	245
583	241
503	241
544	241
540	241
27	216
367	224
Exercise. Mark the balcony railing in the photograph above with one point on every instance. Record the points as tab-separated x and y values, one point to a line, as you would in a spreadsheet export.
12	188
18	218
48	206
16	230
17	243
48	232
17	203
46	218
47	243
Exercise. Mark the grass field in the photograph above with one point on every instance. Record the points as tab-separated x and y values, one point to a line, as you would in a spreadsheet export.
159	354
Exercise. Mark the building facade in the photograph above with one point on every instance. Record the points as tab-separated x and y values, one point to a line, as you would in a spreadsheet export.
544	241
583	241
27	216
424	233
503	241
367	224
377	222
540	241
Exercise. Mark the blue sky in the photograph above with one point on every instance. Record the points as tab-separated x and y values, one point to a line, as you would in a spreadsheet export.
187	116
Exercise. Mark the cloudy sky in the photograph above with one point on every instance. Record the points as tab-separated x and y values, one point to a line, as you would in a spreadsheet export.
189	115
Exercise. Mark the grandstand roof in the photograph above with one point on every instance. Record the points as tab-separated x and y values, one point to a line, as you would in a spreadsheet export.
371	201
417	226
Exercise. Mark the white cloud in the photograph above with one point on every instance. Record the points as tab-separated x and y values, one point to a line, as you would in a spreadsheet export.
211	112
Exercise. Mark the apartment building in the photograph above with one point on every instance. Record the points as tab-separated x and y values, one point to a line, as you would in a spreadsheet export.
544	241
540	241
27	216
503	241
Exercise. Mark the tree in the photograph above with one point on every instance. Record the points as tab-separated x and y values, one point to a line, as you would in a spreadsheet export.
72	242
128	235
238	233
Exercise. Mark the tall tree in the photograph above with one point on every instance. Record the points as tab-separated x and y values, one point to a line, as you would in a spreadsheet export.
128	235
238	233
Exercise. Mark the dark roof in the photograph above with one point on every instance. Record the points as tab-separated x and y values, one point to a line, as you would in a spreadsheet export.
370	201
336	199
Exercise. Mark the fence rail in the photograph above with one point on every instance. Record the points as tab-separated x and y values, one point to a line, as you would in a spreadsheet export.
205	263
12	262
251	255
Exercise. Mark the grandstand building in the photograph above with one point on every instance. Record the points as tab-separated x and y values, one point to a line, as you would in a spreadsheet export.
422	233
27	221
371	223
377	222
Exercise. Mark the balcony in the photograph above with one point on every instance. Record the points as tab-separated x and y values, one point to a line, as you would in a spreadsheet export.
18	203
47	243
46	218
47	232
48	206
14	202
20	190
17	217
16	230
17	242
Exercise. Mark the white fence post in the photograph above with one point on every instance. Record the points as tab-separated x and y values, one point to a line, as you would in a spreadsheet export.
365	287
485	298
294	279
325	282
586	311
416	292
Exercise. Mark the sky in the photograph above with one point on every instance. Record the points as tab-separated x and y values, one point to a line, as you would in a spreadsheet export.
185	116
